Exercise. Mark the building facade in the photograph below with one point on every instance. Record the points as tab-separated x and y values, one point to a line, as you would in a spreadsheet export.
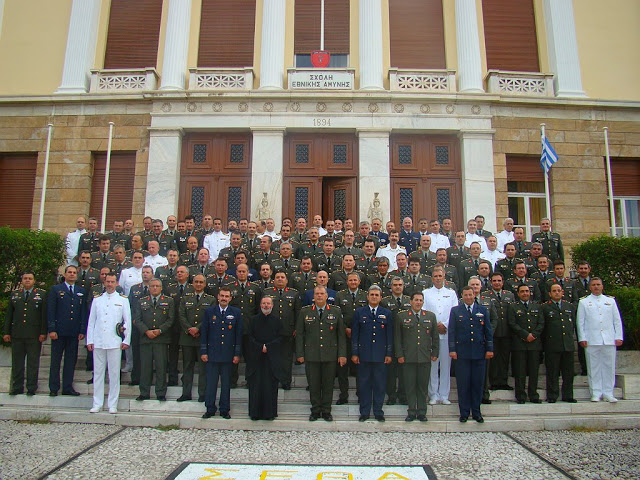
427	108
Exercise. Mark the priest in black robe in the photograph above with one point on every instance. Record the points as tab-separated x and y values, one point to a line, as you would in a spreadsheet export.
264	369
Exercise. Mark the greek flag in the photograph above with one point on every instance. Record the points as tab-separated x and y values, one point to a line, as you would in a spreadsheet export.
549	155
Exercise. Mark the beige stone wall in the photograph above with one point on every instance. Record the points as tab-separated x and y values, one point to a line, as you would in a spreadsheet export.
578	180
75	138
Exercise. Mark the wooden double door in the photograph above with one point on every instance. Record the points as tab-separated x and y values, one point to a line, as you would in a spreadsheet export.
320	176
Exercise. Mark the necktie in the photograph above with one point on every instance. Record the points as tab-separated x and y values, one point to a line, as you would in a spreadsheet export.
193	257
348	249
402	273
280	292
486	283
469	309
586	285
242	287
368	260
498	295
266	284
398	302
171	272
26	296
197	298
320	312
558	305
526	305
286	263
145	291
71	289
84	275
155	302
561	283
520	247
181	290
476	264
353	295
223	311
219	282
306	277
202	269
373	312
104	257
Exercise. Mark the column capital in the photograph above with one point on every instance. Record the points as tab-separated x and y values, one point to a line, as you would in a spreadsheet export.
166	132
268	131
479	134
373	132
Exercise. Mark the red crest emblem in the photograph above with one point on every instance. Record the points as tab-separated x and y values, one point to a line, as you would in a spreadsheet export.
320	58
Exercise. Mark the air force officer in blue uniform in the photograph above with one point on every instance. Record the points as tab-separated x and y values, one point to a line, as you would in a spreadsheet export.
372	350
67	324
470	344
220	348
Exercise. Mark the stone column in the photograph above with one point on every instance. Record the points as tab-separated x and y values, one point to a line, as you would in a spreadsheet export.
267	170
272	53
374	171
563	48
468	47
370	41
81	46
163	172
478	183
176	45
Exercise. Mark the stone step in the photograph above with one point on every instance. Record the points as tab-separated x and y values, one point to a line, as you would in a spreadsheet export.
344	421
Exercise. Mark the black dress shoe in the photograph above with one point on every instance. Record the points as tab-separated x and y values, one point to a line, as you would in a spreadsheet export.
409	418
363	418
183	398
233	385
313	417
172	384
486	401
391	401
536	400
507	387
380	418
90	381
342	401
328	417
551	400
568	400
520	402
16	392
140	398
422	418
53	394
286	387
307	388
583	373
479	419
208	414
201	399
161	398
134	384
463	419
72	393
225	415
403	401
31	393
255	419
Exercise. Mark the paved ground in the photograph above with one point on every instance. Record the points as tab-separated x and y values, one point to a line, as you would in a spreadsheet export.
80	451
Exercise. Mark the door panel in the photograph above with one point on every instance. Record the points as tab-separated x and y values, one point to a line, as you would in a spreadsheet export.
340	198
303	197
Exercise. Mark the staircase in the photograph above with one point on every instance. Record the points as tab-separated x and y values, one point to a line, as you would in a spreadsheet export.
293	408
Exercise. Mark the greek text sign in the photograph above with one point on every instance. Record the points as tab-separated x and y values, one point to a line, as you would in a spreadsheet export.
218	471
319	80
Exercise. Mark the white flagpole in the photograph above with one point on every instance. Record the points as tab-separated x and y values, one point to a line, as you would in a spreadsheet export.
612	212
546	178
321	24
106	181
44	179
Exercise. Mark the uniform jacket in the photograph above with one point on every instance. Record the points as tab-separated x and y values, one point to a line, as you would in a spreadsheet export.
372	337
559	327
320	339
409	240
470	335
307	298
338	280
148	317
107	311
26	319
66	313
551	244
191	314
415	336
524	321
344	300
599	321
221	335
501	329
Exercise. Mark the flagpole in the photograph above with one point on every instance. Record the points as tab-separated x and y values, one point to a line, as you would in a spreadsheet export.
43	196
321	24
546	177
612	213
107	172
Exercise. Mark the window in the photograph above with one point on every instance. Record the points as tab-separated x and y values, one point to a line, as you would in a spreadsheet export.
525	192
303	60
336	32
627	211
625	177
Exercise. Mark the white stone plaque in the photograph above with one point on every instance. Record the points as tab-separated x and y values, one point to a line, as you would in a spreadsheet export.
320	80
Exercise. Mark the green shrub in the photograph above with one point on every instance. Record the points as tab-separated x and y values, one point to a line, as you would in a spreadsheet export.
23	249
628	299
615	260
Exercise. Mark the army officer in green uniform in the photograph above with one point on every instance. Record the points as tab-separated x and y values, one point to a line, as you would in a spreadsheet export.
154	317
416	344
25	327
321	343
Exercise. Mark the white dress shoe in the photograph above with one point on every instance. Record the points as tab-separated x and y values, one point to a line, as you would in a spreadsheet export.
113	410
95	410
610	399
433	401
595	399
446	402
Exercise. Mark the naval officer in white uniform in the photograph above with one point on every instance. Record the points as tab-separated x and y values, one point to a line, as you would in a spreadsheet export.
600	333
107	311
